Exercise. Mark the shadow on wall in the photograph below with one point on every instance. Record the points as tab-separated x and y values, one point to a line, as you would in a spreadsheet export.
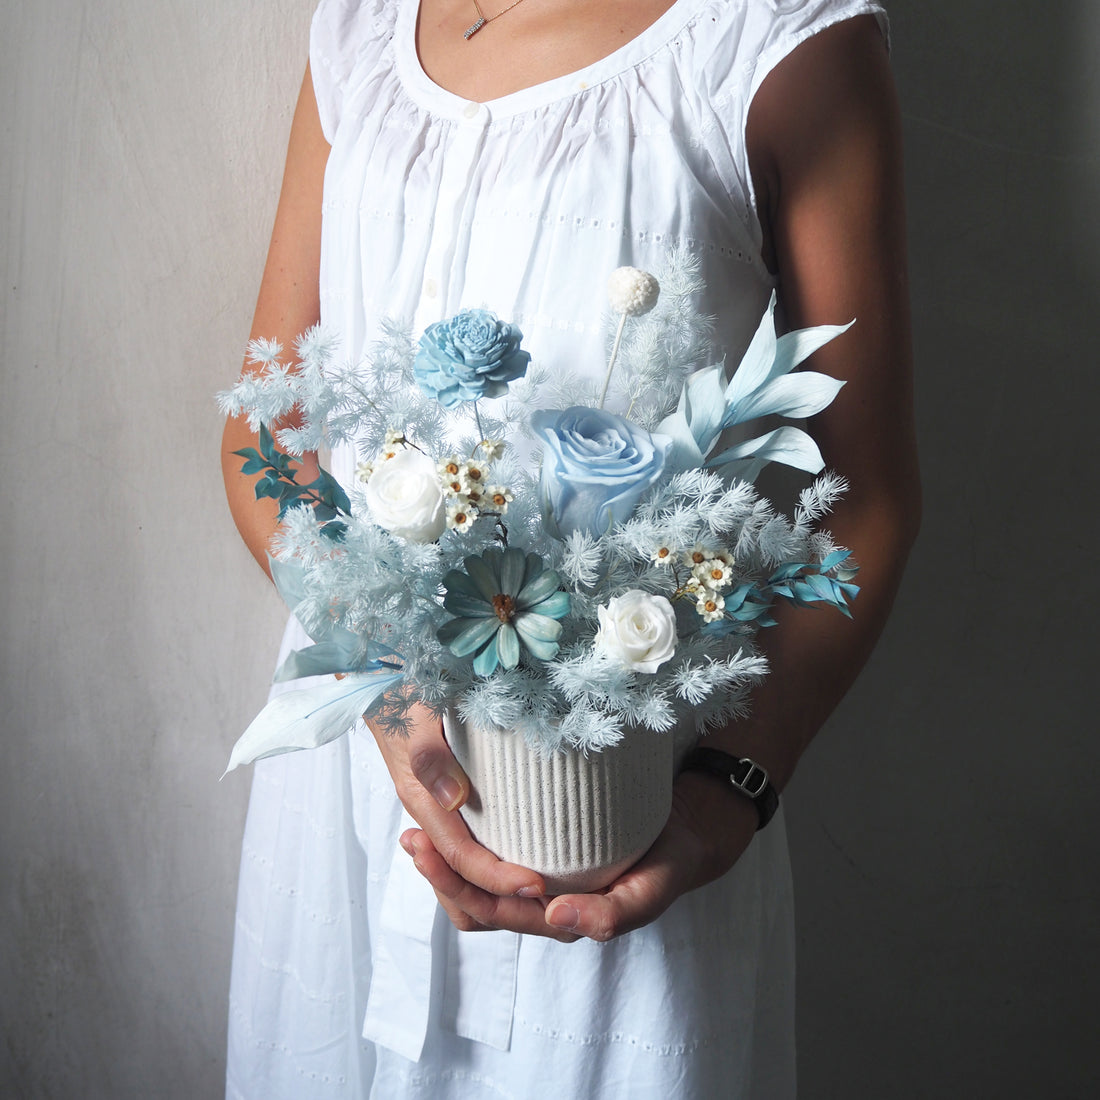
944	828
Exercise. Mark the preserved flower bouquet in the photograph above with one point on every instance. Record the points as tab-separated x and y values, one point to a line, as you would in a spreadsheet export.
525	562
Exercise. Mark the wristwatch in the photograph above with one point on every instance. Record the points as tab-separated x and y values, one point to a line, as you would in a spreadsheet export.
744	775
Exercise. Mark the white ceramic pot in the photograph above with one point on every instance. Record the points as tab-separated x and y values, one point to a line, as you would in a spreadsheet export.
580	821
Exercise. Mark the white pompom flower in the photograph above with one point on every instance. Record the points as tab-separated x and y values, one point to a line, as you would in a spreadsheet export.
698	555
632	291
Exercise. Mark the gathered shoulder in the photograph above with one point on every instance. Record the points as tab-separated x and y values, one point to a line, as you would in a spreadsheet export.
345	37
737	45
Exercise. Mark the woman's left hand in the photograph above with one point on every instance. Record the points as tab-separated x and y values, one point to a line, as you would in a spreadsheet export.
708	829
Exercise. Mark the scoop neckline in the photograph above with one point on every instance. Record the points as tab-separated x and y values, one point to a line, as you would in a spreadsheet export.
439	100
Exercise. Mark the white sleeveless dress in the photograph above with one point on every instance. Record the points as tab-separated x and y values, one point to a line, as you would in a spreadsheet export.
348	981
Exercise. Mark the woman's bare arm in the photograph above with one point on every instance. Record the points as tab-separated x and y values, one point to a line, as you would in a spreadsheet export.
287	305
831	192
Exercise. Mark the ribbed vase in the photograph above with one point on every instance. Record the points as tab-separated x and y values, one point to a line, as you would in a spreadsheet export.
580	821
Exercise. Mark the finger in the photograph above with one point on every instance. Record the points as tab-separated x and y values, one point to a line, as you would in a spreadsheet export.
636	898
472	862
431	783
471	908
435	767
462	921
477	865
705	835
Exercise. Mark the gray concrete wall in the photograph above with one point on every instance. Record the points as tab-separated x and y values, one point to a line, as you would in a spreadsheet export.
944	827
141	147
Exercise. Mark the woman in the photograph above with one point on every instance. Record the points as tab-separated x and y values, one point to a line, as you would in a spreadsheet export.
514	168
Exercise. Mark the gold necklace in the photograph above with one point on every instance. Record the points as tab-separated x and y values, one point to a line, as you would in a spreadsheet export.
482	19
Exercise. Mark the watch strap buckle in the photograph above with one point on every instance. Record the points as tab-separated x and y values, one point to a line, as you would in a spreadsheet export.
753	779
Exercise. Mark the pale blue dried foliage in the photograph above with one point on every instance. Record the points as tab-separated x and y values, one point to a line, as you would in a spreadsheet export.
817	500
277	387
317	346
299	536
590	728
821	545
517	699
661	348
579	560
382	587
261	398
695	679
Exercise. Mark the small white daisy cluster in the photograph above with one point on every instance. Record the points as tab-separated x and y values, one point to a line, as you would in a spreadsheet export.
467	493
395	441
711	573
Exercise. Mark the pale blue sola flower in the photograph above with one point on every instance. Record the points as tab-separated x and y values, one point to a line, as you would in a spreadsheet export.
506	601
470	356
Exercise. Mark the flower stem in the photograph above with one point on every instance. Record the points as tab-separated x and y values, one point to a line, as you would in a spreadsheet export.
614	356
477	420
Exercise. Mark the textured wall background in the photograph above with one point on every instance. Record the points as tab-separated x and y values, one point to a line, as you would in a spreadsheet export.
140	155
944	828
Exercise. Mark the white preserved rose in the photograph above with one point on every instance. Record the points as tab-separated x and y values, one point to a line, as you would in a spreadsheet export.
405	497
638	630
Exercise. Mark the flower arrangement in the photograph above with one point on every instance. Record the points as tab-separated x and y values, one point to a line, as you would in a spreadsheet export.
617	581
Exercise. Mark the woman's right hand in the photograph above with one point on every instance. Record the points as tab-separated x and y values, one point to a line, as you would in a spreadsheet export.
478	891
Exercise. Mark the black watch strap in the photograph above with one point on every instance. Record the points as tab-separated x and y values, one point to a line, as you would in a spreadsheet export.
744	775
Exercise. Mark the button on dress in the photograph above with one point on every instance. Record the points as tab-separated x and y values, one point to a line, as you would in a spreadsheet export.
348	980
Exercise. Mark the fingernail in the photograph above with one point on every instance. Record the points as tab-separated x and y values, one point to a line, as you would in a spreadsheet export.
447	792
563	916
528	892
406	842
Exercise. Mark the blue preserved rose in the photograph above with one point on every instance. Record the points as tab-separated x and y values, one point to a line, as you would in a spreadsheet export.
595	467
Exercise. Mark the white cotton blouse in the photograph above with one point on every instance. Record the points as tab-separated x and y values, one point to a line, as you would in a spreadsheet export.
347	979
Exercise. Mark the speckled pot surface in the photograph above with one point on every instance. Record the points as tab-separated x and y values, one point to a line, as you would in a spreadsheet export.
580	821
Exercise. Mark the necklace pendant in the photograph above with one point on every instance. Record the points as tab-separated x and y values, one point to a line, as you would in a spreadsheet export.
471	31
